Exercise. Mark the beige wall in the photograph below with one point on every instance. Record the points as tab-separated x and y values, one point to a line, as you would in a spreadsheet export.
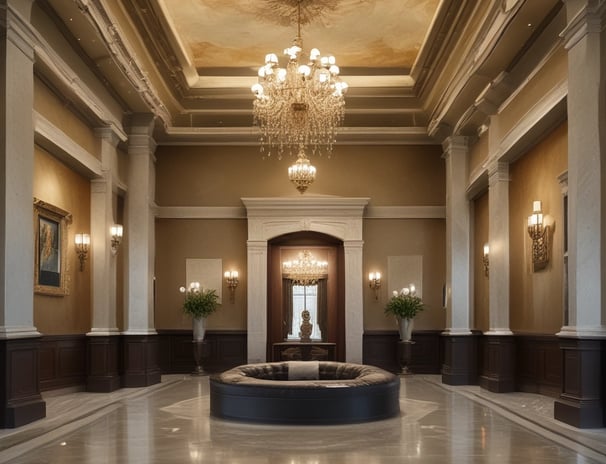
536	297
58	185
177	240
401	237
221	176
480	280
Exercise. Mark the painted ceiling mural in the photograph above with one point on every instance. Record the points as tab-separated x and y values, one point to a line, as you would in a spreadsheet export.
360	33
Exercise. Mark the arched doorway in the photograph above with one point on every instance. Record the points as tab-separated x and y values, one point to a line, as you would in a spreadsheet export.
328	316
337	217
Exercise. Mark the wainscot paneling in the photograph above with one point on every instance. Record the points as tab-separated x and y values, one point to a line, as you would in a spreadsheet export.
539	364
223	350
62	361
380	348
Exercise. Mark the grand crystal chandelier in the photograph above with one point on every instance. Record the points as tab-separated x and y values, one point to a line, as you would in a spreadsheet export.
300	105
305	270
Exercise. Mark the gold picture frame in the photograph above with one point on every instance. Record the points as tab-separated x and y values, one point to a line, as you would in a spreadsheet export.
51	274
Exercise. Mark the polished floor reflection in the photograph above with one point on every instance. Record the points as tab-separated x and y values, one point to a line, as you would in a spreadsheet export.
170	423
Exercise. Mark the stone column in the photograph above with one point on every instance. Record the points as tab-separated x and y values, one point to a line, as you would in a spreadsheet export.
140	354
103	342
354	314
20	400
459	366
497	373
584	338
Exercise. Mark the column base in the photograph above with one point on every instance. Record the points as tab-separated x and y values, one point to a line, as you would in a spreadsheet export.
460	360
20	391
140	361
498	363
103	354
582	403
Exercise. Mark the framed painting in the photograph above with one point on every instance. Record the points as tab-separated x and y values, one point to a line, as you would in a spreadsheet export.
50	252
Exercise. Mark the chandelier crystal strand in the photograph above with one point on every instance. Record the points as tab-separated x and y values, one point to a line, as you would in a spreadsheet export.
305	270
301	104
302	173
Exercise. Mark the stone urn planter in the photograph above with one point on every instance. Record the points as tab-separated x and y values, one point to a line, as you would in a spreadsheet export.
405	326
199	304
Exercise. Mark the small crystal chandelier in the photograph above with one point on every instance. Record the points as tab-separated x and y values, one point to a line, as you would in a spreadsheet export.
300	105
305	270
302	173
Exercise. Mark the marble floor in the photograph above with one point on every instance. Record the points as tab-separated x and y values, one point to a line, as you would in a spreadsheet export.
170	423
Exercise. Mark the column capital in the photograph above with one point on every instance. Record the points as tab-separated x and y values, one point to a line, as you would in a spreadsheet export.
498	171
455	144
141	124
108	134
18	31
589	18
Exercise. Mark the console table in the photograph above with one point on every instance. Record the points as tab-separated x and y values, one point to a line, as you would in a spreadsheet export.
304	351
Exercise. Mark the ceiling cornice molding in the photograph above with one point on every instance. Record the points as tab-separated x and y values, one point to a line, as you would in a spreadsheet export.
249	136
239	212
51	67
123	55
456	84
172	62
437	45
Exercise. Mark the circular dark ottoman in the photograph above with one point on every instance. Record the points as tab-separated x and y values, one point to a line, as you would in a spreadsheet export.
305	392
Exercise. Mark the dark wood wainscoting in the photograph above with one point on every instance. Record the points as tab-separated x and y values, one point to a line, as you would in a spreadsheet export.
223	350
62	361
538	364
20	399
380	348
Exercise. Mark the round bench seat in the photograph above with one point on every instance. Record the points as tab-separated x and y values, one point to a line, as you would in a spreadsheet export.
305	392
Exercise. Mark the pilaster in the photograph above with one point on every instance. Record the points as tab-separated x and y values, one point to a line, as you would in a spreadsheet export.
354	320
257	298
140	346
103	355
457	237
498	240
497	372
459	366
20	400
583	401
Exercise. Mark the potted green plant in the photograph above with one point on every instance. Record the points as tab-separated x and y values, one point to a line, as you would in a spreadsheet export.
199	304
405	305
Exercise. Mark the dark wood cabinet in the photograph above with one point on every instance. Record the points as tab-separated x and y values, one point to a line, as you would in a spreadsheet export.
300	351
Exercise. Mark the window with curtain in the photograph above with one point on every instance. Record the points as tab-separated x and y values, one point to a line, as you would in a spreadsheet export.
300	297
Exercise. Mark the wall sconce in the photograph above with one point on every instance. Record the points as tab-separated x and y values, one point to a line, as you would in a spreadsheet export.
485	261
82	244
374	281
231	277
116	232
539	233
